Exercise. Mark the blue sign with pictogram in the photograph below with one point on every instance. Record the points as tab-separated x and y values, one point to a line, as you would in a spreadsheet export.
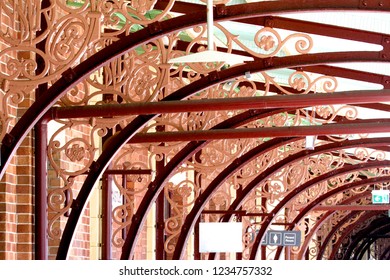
282	238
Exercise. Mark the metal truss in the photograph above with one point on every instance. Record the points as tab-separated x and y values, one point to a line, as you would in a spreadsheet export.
196	142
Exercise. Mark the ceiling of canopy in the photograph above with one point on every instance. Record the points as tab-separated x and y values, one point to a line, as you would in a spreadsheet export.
206	136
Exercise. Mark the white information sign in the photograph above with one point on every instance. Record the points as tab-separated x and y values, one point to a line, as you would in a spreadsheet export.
220	237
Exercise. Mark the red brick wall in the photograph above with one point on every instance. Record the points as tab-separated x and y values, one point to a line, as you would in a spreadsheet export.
8	215
16	206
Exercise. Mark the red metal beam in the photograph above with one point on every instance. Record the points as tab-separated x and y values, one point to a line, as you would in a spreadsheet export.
315	204
339	207
335	228
72	76
378	226
293	24
352	127
333	71
321	221
346	73
217	104
345	234
13	139
309	207
318	29
175	162
236	204
295	192
366	244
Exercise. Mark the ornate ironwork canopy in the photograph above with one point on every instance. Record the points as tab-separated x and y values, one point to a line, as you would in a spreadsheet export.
154	148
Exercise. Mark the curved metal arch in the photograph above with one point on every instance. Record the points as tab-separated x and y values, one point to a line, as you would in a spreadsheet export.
308	237
205	196
363	246
328	215
337	227
119	140
11	137
357	237
322	220
385	254
318	224
367	243
305	186
156	186
318	200
333	231
150	197
347	232
72	76
321	149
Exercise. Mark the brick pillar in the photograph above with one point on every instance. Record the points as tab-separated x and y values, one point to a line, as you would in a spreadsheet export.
8	215
24	200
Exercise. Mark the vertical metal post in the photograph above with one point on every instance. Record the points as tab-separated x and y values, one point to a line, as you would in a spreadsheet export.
124	220
41	241
264	206
239	254
239	219
106	196
106	216
196	241
40	192
160	210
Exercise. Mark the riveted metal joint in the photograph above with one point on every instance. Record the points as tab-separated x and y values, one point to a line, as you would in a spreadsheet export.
237	162
373	4
160	225
135	219
213	76
386	82
8	140
155	28
152	186
220	10
269	22
254	112
94	167
69	75
268	62
75	204
386	47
